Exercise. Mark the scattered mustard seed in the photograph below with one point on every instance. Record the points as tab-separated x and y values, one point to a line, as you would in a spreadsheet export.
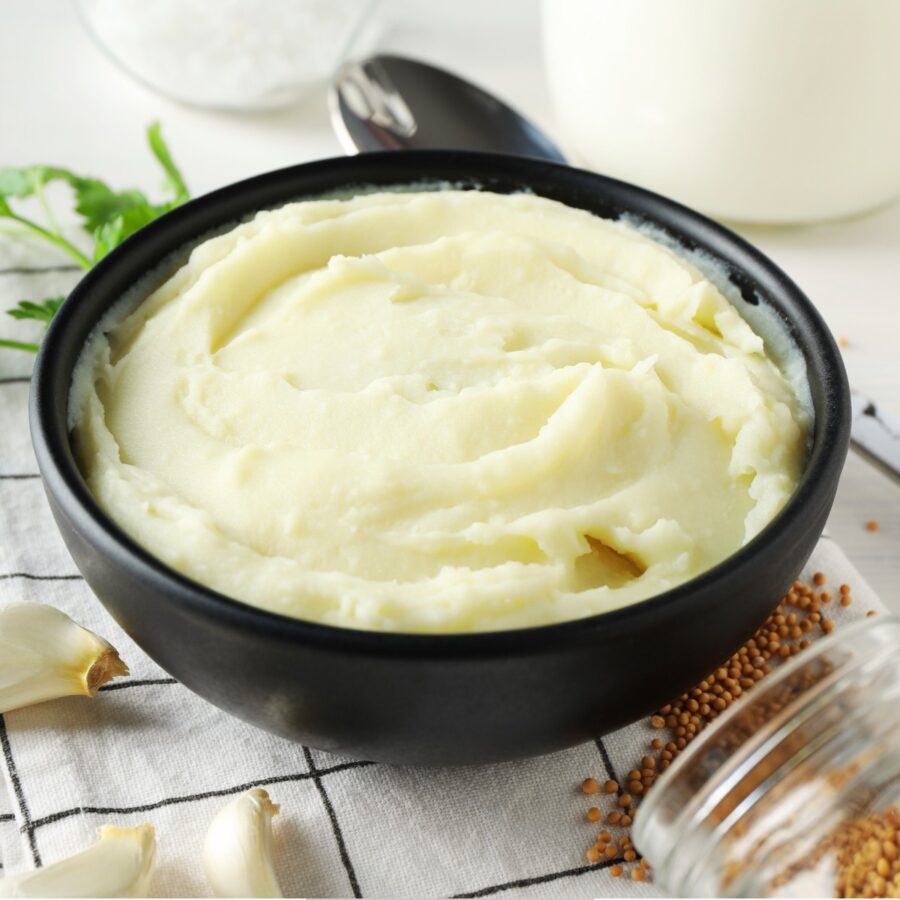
590	786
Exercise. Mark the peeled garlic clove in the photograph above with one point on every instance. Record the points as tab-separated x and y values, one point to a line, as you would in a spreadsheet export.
237	852
118	865
44	654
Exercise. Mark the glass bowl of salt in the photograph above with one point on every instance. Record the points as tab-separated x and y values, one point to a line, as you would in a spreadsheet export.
231	54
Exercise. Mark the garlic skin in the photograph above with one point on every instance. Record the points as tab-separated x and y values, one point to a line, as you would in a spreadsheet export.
237	852
118	865
44	655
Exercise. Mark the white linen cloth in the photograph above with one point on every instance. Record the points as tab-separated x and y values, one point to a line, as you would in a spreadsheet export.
148	750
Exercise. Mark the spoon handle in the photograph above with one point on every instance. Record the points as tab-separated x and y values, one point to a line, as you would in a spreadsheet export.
875	434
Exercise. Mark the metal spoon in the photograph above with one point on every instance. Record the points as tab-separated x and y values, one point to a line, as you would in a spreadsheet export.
393	103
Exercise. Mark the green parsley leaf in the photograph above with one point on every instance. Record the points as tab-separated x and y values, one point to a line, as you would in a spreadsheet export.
14	182
43	311
112	233
19	345
174	181
28	180
109	216
98	205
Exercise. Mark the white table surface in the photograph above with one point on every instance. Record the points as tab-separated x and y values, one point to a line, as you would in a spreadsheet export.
63	101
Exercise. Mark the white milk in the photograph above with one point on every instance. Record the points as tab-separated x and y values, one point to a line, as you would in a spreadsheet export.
754	110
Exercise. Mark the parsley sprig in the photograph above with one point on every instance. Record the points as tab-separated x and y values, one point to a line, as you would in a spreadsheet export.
107	215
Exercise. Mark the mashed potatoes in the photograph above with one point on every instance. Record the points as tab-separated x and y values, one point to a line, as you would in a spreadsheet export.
436	411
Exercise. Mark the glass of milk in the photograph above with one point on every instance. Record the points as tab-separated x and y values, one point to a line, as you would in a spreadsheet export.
751	110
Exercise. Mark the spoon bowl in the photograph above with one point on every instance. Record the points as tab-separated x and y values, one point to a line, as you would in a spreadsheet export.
393	103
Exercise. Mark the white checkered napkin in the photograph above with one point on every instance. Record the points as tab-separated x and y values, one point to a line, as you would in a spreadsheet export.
10	845
148	750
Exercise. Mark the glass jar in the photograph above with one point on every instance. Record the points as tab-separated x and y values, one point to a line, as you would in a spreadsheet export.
768	111
794	792
231	54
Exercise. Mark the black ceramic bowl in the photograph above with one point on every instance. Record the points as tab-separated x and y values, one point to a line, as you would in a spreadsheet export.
422	699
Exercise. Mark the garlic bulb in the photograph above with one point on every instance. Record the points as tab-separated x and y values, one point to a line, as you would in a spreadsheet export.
237	852
118	865
44	654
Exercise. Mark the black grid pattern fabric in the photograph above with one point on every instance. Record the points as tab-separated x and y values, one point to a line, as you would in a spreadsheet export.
148	750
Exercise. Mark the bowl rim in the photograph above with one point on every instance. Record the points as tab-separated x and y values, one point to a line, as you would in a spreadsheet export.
690	229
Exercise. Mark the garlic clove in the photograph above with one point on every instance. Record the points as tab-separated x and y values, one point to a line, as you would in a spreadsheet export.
118	865
237	852
44	654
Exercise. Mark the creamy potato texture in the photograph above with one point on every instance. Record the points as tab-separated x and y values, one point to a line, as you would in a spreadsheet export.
436	411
